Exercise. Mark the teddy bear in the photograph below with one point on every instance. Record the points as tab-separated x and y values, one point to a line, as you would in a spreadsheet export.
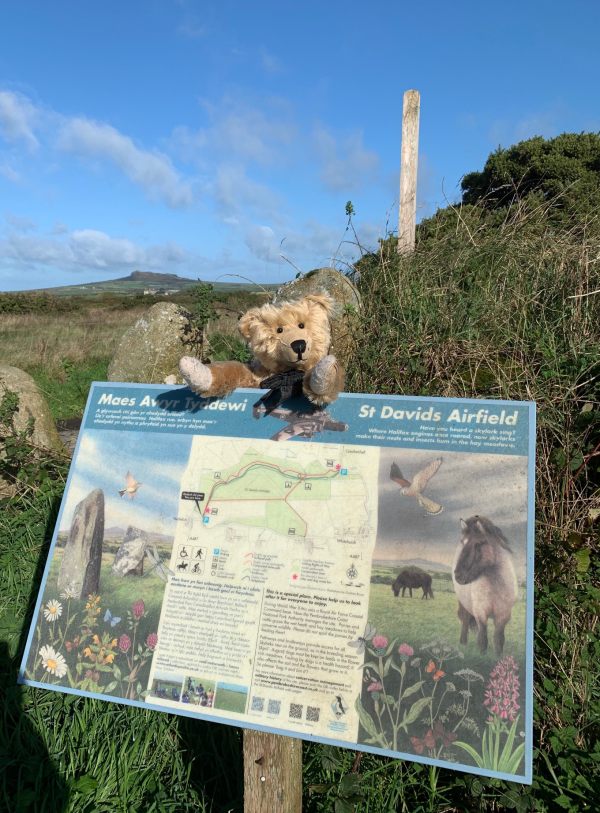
289	338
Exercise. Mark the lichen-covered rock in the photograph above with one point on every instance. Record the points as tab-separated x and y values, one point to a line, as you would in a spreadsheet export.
346	304
31	405
149	351
80	568
129	559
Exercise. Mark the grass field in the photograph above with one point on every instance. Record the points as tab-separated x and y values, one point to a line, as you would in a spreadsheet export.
417	621
509	310
231	700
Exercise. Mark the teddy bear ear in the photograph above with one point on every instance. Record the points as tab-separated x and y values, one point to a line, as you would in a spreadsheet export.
321	300
249	320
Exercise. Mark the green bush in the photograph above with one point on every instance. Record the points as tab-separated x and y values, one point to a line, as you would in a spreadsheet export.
36	303
563	172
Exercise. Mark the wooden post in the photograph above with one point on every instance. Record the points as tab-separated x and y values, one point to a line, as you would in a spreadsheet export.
272	773
407	216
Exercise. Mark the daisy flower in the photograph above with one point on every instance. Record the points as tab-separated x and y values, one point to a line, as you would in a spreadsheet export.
53	661
70	591
52	610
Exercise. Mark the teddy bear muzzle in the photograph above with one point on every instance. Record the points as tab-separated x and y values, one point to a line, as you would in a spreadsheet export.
299	347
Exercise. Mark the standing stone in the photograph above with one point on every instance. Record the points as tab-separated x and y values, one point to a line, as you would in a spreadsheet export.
149	352
346	305
129	559
32	407
80	568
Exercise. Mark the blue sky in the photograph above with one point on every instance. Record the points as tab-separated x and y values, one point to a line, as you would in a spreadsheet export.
204	138
158	467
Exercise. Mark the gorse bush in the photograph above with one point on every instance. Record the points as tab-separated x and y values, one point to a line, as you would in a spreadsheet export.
35	303
562	171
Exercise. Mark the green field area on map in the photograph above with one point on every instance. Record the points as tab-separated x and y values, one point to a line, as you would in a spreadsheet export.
263	491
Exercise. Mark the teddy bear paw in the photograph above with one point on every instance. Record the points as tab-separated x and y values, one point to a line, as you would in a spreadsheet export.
323	376
197	375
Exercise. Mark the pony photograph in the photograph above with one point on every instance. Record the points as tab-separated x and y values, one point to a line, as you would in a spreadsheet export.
444	669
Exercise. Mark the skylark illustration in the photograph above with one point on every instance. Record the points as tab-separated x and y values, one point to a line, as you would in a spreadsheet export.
131	486
418	484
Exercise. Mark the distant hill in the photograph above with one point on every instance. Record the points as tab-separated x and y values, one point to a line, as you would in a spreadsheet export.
150	282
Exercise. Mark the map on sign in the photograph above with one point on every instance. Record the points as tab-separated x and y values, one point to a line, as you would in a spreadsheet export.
320	492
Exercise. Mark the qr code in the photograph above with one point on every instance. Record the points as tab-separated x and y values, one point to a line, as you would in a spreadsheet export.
312	714
258	703
274	706
296	711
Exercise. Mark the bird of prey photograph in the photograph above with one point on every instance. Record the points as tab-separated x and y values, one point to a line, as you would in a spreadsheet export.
418	484
131	486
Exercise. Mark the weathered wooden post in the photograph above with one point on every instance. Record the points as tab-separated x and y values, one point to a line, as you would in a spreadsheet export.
272	773
407	216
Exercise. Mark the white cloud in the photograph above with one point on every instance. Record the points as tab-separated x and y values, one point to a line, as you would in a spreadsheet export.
270	62
20	223
85	249
236	194
263	244
17	118
237	131
312	246
152	171
9	172
346	165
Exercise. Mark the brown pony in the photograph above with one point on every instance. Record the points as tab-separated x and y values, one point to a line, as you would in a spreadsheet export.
484	581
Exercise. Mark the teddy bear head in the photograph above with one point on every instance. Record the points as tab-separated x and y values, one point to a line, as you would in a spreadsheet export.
291	335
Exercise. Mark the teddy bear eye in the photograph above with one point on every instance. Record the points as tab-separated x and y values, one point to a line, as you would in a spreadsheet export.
280	329
300	325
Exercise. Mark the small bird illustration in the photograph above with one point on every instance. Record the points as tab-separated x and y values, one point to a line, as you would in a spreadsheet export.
419	483
131	486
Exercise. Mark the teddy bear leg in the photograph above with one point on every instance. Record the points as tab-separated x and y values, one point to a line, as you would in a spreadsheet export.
324	382
216	379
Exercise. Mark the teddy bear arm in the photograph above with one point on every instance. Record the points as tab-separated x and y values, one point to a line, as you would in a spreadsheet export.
228	375
323	384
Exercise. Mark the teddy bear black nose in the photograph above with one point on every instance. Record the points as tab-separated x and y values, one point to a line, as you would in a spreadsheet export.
298	346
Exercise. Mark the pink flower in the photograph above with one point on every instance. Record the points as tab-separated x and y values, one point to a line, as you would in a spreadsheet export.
138	608
502	690
375	686
151	641
405	651
124	643
380	642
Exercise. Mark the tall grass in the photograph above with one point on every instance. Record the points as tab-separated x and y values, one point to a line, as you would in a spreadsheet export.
505	310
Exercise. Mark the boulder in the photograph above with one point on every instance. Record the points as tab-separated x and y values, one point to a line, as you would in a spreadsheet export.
149	351
80	567
129	559
32	404
346	303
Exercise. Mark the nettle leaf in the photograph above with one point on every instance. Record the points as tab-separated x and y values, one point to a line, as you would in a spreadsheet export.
350	784
85	784
330	759
343	806
412	689
414	711
365	719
